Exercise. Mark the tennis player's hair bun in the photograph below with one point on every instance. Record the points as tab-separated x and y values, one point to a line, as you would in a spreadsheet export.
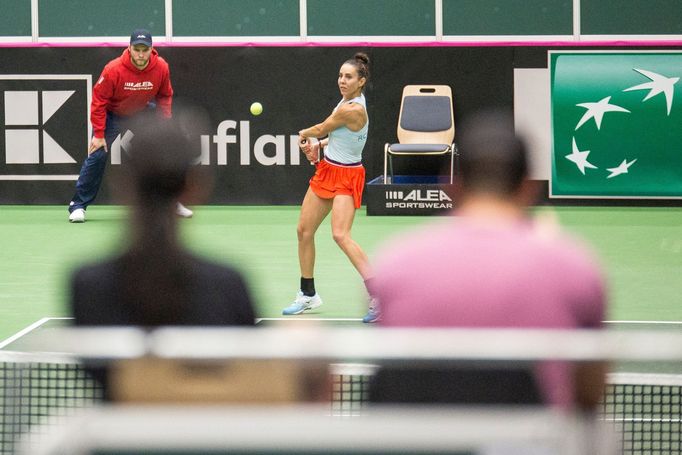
360	62
362	57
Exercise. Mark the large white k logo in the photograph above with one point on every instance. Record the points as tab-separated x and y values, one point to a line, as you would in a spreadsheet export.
22	145
121	142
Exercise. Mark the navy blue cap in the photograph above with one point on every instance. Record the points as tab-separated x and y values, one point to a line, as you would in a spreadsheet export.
141	36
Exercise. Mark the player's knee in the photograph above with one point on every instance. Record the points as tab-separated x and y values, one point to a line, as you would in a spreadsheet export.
304	233
341	237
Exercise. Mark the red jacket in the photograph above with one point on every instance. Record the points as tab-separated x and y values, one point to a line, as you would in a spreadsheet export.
124	90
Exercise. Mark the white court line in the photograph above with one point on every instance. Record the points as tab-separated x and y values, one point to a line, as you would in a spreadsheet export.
258	320
290	318
25	331
42	321
644	322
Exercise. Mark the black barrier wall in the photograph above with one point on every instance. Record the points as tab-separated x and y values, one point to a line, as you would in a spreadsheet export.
254	157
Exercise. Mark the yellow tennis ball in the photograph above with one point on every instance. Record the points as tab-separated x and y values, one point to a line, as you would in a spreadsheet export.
256	108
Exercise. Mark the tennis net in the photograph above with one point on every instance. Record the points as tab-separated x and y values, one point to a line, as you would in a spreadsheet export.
35	387
646	409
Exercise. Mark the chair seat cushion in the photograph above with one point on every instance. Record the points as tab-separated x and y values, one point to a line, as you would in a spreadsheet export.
418	149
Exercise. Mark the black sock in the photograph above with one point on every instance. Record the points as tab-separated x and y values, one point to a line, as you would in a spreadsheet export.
308	286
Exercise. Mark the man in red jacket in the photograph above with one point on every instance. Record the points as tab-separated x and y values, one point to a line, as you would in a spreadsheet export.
136	81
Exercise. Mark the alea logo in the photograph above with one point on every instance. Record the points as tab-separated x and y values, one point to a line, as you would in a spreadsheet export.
421	199
419	195
268	149
146	85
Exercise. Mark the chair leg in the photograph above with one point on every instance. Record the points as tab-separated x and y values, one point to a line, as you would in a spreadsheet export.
390	166
455	168
385	164
452	166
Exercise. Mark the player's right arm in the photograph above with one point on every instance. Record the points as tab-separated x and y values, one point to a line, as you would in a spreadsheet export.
101	94
97	143
351	115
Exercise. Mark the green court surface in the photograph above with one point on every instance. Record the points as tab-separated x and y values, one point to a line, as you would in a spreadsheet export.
639	247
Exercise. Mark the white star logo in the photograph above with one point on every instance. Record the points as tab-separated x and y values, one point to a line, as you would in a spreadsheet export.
597	111
621	169
580	158
658	84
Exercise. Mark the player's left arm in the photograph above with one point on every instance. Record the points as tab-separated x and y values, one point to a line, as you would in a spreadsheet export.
164	97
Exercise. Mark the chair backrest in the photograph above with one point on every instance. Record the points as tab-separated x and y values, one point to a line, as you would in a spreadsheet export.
426	115
454	384
158	380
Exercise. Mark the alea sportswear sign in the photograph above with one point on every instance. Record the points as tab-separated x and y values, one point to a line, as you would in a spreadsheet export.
409	198
418	198
616	120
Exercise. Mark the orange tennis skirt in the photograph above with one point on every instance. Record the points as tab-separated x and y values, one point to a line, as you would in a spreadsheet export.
333	179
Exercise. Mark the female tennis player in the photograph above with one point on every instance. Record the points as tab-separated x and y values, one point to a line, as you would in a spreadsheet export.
337	184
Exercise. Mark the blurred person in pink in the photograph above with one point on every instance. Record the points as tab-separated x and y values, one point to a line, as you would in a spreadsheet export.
490	266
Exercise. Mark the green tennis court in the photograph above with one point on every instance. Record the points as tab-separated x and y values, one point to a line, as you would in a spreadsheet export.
640	248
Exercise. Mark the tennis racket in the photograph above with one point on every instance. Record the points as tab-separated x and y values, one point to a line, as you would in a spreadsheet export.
319	149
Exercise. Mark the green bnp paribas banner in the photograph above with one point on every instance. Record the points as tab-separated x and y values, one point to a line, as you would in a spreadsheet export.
617	124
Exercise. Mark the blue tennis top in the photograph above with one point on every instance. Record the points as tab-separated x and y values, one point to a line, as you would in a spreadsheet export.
345	146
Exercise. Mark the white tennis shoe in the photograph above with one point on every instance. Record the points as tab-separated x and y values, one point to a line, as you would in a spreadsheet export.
302	303
77	216
183	211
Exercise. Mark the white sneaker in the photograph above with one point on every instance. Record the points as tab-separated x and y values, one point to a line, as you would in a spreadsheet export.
77	216
183	211
302	303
